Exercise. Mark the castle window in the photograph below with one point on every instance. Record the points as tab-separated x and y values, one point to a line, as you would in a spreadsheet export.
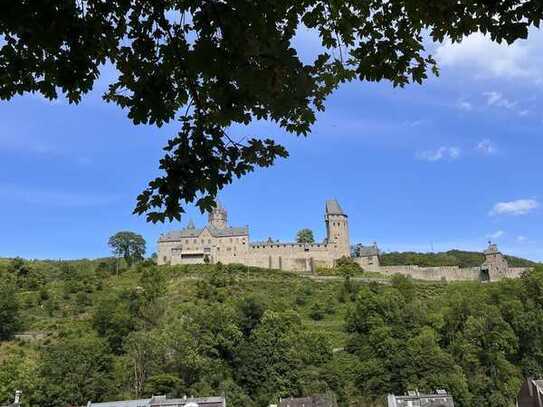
209	241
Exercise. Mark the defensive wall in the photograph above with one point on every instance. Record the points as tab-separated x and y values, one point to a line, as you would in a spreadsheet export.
444	273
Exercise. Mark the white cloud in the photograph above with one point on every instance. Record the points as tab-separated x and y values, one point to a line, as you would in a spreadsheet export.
486	147
496	99
442	153
496	235
464	105
518	207
415	123
487	58
521	239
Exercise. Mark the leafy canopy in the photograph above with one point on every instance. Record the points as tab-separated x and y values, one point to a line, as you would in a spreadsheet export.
212	64
129	245
305	236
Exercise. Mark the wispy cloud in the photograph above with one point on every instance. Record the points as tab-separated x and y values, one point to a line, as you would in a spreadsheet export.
464	105
442	153
521	239
486	147
415	123
496	235
496	99
518	207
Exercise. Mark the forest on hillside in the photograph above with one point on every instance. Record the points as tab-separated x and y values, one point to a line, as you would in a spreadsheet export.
96	332
459	258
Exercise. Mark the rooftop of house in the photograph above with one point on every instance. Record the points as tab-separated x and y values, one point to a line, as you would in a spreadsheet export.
163	401
415	399
319	400
539	385
16	402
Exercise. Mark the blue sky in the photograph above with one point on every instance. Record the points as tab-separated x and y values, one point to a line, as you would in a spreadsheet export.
449	164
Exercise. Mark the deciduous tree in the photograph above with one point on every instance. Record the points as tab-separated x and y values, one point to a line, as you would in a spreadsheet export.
129	245
305	236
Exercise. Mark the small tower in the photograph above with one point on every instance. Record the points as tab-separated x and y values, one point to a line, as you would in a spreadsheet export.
218	217
337	229
495	264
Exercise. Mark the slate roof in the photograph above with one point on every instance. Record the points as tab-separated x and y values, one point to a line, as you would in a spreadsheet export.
321	400
18	394
194	232
333	208
162	401
439	399
539	384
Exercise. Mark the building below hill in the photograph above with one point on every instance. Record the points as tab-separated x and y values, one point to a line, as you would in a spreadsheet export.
217	242
531	394
16	400
319	400
415	399
163	401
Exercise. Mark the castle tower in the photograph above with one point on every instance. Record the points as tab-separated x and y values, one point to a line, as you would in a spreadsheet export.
337	229
218	217
495	264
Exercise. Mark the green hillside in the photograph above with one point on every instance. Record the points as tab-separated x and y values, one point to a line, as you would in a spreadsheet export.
86	332
450	258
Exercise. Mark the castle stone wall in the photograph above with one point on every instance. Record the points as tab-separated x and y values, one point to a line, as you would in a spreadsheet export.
218	242
446	273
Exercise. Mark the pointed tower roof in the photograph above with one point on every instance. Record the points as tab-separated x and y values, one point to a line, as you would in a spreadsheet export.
333	208
191	225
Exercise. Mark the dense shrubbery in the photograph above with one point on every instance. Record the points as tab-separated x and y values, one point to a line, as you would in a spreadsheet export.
9	307
256	335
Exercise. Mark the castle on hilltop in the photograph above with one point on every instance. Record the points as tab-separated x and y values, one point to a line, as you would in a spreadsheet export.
217	242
